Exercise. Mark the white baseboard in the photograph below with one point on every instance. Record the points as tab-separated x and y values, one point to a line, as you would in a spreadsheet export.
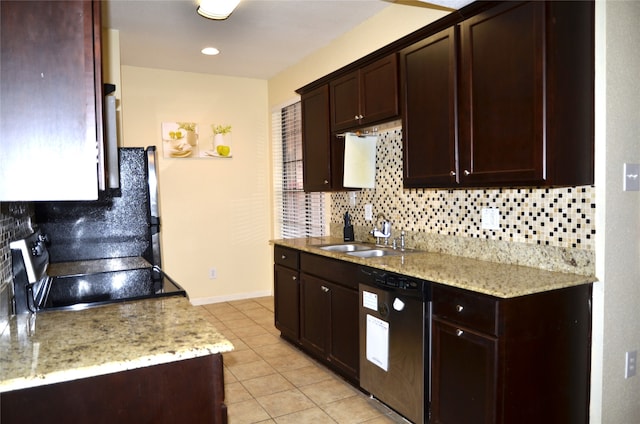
239	296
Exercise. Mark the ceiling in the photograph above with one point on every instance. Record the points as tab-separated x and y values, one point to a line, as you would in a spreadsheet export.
260	38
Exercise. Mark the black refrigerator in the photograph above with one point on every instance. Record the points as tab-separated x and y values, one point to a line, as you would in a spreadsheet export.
123	222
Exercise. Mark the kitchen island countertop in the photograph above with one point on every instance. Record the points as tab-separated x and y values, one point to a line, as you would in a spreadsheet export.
495	279
54	347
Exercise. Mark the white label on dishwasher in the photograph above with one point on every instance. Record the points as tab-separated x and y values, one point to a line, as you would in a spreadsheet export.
370	300
377	339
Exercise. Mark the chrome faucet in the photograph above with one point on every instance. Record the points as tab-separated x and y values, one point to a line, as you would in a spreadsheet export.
402	244
386	229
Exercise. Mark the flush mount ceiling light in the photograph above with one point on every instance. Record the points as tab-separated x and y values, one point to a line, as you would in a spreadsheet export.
217	9
450	4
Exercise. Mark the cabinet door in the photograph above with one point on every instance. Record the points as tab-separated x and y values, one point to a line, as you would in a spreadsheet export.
428	84
345	101
343	339
502	95
287	301
464	376
316	139
314	324
379	90
48	89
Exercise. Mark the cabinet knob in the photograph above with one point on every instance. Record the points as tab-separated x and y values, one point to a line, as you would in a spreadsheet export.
452	173
325	289
459	332
356	117
459	308
466	172
294	278
326	181
283	257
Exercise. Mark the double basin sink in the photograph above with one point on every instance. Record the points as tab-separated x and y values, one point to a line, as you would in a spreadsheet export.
362	250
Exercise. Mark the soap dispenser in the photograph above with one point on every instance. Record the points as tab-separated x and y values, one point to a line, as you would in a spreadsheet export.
348	228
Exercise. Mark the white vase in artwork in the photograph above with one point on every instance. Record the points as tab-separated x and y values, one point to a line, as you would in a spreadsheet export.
218	140
192	138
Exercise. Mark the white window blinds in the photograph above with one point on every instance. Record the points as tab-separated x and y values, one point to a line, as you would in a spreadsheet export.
298	214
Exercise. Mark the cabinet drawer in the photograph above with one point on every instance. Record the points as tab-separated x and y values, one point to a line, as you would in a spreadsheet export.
340	272
286	257
473	310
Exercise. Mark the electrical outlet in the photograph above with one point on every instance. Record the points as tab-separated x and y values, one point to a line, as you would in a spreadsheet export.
352	198
630	361
213	274
490	219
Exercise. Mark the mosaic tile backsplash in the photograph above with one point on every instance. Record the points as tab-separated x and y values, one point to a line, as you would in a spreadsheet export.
550	228
15	222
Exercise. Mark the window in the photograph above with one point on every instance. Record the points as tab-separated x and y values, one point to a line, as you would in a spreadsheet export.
298	214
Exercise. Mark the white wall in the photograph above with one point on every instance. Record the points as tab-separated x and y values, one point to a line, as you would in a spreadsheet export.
618	252
215	212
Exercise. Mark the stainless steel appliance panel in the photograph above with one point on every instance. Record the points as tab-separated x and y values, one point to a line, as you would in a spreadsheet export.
394	348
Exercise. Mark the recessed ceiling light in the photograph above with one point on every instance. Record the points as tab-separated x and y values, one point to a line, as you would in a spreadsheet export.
210	51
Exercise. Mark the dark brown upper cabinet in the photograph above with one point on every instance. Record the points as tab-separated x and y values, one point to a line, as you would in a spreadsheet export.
322	151
366	95
51	91
429	75
316	140
518	80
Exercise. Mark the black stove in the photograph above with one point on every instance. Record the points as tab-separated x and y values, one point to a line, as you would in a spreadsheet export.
41	286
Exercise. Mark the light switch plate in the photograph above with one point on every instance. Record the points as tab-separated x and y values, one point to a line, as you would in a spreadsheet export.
631	181
490	219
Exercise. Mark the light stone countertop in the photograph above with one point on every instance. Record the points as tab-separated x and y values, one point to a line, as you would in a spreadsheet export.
53	347
495	279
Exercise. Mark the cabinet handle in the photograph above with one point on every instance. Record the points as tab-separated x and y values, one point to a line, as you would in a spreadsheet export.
325	289
467	172
459	308
459	332
452	173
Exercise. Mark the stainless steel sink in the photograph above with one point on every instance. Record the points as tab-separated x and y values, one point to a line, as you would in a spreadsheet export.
346	247
376	253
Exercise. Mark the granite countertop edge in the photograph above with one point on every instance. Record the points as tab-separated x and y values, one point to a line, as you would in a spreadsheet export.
36	353
491	278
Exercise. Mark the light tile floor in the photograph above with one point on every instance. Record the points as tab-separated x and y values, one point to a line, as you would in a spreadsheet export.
267	380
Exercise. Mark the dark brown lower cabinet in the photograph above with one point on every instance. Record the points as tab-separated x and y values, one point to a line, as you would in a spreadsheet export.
187	391
463	356
286	302
519	360
329	325
316	307
329	313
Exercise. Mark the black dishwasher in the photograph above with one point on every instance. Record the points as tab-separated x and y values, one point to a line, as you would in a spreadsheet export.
395	341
